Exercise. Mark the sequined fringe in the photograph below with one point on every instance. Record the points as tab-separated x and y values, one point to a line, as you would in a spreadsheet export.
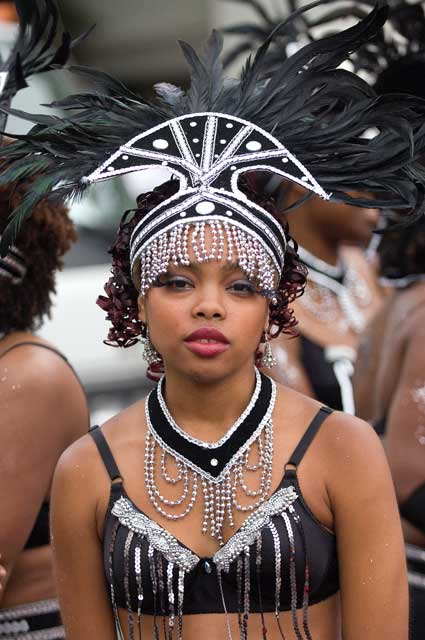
292	576
258	558
127	545
180	600
161	588
247	588
220	584
111	576
138	572
171	608
278	574
239	569
306	591
152	571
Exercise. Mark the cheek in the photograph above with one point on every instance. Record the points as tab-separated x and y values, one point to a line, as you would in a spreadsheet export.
166	314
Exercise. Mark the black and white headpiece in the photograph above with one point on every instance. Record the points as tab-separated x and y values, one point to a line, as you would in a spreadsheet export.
208	152
310	119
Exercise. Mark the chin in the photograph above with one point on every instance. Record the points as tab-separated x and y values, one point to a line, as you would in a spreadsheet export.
210	370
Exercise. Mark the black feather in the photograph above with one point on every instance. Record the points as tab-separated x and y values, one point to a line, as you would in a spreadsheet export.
317	110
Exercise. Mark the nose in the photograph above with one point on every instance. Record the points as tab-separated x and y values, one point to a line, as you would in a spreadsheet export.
209	304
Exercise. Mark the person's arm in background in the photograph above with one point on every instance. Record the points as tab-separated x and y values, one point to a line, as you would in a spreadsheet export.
405	436
42	410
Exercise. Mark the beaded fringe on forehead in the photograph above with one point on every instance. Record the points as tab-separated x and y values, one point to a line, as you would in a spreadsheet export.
226	240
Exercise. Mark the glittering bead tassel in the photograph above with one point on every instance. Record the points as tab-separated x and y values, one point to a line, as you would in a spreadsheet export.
161	587
258	549
180	600
111	576
306	591
247	589
278	574
151	559
220	584
171	608
127	545
292	576
239	569
138	571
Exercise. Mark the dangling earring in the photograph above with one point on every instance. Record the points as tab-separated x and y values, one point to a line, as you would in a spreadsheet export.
268	360
150	354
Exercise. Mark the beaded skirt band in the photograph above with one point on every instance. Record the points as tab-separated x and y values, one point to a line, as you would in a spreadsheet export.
34	621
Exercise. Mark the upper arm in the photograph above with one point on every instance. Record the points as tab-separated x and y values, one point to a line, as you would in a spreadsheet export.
77	550
405	417
370	545
35	413
367	365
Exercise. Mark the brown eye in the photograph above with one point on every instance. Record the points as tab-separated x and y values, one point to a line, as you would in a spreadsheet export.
242	287
178	283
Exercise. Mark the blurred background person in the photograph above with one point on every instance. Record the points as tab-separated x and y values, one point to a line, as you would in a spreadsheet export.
42	404
389	377
342	293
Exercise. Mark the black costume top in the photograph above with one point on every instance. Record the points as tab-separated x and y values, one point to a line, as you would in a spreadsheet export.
282	554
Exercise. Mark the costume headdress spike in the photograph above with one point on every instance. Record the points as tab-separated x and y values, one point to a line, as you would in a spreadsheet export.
310	119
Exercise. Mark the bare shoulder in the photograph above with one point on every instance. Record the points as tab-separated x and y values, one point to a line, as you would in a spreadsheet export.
343	441
39	368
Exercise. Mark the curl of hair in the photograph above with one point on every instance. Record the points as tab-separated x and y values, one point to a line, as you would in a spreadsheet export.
120	302
43	240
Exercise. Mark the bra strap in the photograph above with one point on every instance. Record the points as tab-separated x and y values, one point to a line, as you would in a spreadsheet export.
28	343
307	439
106	454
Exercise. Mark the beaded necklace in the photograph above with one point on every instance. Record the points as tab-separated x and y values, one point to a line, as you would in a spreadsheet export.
337	290
219	468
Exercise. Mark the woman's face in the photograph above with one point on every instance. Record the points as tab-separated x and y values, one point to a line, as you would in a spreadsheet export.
206	320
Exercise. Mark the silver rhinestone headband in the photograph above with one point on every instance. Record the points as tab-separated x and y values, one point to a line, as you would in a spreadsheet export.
208	152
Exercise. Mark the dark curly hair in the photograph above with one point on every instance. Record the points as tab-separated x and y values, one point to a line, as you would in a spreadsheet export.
43	240
120	302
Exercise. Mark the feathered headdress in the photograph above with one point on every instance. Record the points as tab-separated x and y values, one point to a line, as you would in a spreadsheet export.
36	50
310	122
394	59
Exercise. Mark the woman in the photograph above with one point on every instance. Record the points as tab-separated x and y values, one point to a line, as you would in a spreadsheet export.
396	364
43	407
341	296
43	411
204	271
342	293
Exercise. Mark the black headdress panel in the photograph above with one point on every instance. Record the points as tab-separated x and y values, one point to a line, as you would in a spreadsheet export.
208	152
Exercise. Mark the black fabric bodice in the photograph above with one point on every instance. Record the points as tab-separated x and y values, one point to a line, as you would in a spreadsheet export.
320	373
282	557
201	588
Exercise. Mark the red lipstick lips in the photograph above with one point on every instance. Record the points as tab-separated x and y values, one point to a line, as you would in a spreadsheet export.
207	342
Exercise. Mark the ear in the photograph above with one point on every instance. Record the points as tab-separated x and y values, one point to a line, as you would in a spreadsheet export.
141	305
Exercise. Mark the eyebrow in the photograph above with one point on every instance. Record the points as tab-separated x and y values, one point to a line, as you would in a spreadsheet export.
228	267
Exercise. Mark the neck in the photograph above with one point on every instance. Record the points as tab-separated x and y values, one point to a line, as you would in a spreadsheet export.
193	403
